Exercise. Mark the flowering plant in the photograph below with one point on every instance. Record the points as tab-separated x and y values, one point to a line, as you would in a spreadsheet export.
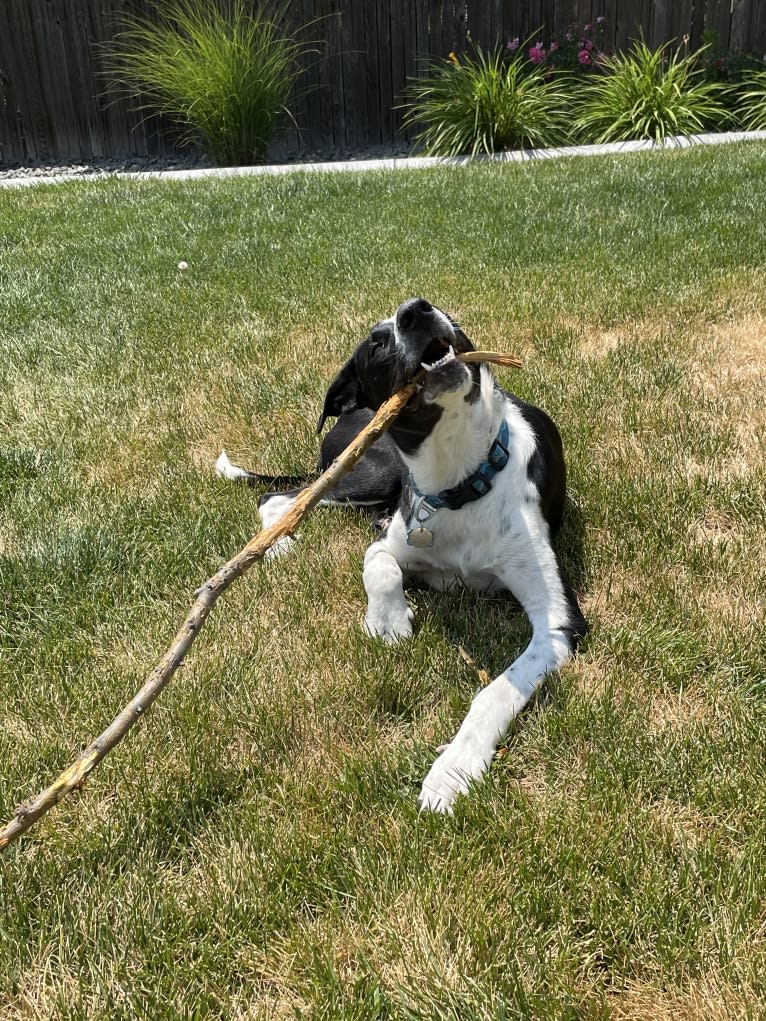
488	100
648	94
580	50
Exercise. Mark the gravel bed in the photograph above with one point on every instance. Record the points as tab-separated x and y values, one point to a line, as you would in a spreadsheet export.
153	164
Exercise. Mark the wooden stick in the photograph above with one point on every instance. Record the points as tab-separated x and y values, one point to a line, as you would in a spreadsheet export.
509	361
74	776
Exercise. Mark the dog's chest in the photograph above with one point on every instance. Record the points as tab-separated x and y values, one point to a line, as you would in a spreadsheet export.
462	542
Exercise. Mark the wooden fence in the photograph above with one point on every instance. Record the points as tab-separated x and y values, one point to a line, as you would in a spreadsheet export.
53	107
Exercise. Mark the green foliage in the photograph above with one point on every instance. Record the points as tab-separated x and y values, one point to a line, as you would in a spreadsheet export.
486	103
735	71
222	71
649	94
751	104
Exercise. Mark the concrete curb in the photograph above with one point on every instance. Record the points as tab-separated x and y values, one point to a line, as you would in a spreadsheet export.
400	163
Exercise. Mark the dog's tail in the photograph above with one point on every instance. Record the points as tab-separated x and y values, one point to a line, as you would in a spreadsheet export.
233	473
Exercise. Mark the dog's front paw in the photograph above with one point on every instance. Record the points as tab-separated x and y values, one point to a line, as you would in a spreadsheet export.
271	510
392	624
281	546
452	774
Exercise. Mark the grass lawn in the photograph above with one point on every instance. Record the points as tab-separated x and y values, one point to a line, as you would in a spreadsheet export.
253	849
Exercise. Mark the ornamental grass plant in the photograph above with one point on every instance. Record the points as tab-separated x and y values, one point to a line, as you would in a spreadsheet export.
485	102
649	94
222	71
751	105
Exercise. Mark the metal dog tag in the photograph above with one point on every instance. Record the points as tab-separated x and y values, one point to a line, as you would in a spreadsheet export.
420	537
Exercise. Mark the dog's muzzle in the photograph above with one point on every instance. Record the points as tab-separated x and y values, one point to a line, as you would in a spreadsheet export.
425	336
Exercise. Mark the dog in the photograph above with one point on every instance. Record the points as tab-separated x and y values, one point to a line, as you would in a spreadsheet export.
470	482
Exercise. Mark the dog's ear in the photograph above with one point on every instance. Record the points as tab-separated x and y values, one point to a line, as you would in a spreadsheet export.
344	395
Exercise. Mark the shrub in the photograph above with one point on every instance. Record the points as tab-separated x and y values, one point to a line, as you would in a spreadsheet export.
733	69
647	94
751	102
486	103
221	71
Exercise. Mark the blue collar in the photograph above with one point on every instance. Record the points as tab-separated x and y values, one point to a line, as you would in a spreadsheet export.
422	506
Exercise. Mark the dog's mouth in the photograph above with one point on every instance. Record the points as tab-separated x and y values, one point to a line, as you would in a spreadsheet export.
438	354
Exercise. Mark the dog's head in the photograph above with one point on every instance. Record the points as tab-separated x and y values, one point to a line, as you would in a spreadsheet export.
416	336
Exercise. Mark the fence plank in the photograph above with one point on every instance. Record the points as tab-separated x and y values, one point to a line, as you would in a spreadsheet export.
516	19
369	107
478	16
385	83
758	45
742	17
565	17
723	23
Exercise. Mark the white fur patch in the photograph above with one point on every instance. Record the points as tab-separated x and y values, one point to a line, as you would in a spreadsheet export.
271	511
227	470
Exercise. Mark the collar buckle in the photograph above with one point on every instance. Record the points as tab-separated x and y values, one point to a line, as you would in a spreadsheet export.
480	484
423	510
498	455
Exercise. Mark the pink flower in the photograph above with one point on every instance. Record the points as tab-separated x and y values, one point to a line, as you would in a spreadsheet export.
601	19
587	28
569	37
584	57
537	53
588	45
513	44
553	47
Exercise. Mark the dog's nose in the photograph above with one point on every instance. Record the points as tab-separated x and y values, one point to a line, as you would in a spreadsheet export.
410	312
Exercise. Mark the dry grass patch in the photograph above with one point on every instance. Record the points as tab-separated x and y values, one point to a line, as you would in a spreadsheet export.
733	608
677	711
707	999
42	987
731	356
597	343
733	601
17	731
613	601
10	542
715	528
590	674
687	826
729	367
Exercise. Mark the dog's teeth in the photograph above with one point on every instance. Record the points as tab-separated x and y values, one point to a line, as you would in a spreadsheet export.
442	361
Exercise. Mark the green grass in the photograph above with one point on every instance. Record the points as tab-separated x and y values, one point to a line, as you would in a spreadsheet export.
253	848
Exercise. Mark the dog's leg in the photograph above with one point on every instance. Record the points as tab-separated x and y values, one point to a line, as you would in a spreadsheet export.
388	615
271	508
557	626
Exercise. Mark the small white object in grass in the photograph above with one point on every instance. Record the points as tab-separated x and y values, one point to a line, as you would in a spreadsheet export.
183	265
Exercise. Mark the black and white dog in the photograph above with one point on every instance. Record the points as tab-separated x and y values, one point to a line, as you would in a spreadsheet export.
475	480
